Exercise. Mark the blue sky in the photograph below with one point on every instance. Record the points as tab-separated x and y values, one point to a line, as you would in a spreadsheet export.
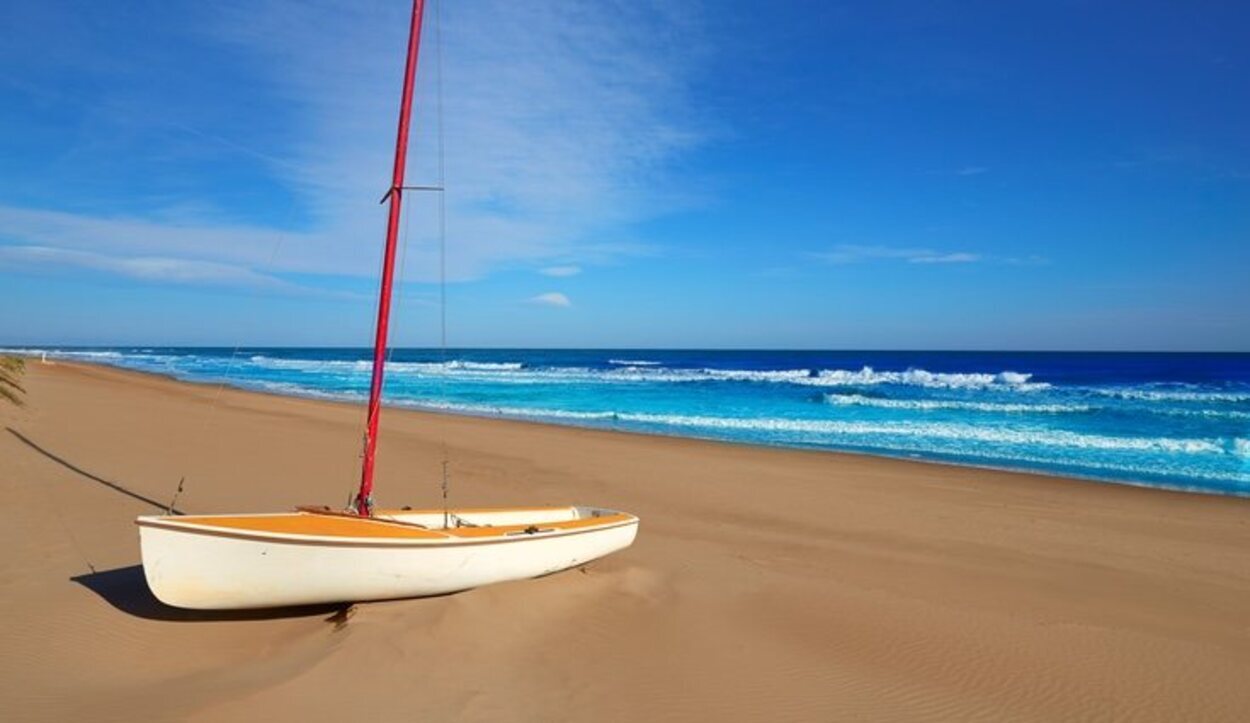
988	175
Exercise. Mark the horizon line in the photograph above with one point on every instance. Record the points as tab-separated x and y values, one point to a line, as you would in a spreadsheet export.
948	350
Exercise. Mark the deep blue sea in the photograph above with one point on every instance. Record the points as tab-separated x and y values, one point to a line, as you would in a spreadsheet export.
1169	420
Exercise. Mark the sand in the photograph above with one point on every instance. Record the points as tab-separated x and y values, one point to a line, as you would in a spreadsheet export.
765	584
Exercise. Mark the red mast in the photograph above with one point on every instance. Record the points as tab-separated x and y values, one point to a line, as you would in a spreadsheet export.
364	498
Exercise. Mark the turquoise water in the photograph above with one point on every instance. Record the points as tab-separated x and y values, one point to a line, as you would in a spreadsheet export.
1171	420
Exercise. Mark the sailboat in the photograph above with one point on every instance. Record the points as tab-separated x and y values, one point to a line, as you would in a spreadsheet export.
318	555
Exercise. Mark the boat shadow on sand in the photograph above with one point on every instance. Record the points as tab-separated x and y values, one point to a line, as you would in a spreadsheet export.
126	589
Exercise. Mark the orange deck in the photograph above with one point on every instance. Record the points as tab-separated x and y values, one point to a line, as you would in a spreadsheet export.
337	525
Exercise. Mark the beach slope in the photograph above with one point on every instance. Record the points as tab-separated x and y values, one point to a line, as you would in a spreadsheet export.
765	583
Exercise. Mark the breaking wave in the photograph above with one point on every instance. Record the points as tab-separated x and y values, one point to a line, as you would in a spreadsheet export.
924	378
953	431
66	354
644	371
1173	395
859	400
366	365
1163	428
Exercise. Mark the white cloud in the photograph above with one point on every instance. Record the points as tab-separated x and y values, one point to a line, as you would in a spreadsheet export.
955	258
148	268
851	254
561	123
971	171
561	271
240	245
551	298
159	269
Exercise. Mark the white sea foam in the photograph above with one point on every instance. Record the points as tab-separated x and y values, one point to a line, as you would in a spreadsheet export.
309	365
298	390
963	432
1014	377
1118	470
859	400
887	432
806	377
664	374
644	371
365	365
868	376
85	355
1210	450
482	366
1207	413
1173	395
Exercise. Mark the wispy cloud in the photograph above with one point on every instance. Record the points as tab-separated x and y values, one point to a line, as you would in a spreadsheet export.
560	122
971	171
193	240
159	269
148	268
561	271
853	254
551	298
561	126
956	258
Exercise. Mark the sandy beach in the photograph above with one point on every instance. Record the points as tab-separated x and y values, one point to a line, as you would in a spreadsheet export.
765	583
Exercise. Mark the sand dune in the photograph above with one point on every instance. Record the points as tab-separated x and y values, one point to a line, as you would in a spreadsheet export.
765	584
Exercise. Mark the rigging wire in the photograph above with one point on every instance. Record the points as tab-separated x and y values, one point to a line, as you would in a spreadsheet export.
442	178
215	405
442	252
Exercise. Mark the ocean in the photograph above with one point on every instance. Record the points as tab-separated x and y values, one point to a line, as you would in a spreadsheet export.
1179	421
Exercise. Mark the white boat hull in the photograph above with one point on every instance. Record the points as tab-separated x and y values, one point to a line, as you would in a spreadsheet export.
200	565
